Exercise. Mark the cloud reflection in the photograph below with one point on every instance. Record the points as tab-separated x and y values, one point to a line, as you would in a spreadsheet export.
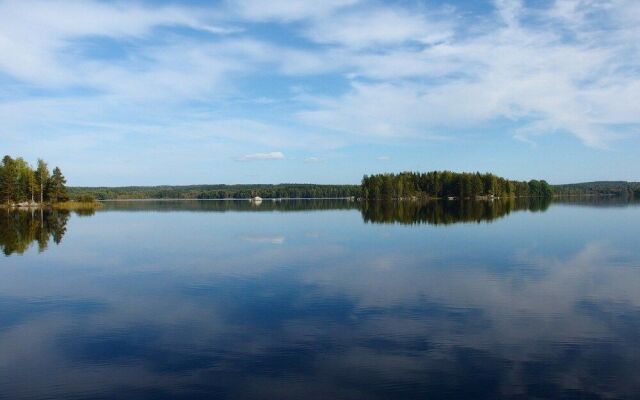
353	314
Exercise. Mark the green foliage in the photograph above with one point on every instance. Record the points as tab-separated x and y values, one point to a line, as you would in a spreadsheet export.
20	183
285	190
42	180
601	188
8	180
57	187
86	198
445	184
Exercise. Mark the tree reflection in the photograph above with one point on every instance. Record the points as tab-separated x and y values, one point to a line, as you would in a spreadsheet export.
447	212
267	205
20	228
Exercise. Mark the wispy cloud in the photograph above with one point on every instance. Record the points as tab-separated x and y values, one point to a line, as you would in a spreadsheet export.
274	155
383	158
384	26
512	70
311	160
285	10
330	74
271	239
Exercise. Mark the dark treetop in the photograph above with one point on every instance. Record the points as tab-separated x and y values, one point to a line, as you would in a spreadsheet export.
442	184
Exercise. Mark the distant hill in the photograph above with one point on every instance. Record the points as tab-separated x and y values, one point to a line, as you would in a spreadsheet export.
601	188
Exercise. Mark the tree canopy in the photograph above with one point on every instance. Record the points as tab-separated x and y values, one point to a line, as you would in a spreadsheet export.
444	184
19	182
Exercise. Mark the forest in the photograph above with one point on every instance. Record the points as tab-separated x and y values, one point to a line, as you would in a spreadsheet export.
447	184
20	184
284	190
599	188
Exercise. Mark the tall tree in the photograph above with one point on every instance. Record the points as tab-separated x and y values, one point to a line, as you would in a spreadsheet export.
24	180
57	186
8	180
42	179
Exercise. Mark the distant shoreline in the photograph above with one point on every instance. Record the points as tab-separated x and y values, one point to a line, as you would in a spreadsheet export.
231	199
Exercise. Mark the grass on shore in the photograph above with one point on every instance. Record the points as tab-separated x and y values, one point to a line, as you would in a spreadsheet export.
65	205
77	205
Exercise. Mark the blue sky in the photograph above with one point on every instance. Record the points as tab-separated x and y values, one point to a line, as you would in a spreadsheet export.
183	92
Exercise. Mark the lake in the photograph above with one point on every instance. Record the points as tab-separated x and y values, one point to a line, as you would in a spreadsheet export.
322	299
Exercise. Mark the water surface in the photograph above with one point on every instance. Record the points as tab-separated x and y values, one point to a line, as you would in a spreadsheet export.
322	299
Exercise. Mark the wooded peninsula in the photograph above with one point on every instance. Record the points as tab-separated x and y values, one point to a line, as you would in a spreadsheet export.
23	186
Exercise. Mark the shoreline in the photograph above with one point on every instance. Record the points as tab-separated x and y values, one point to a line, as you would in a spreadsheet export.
67	205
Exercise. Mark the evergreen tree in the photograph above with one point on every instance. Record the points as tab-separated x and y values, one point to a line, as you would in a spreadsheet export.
57	187
442	184
8	182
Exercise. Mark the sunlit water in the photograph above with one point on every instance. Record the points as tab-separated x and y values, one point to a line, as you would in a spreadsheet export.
321	300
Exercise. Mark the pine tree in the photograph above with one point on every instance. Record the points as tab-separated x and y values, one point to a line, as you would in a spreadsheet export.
57	189
8	182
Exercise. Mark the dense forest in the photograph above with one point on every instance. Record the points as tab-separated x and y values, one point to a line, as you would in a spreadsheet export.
601	188
446	184
285	190
21	184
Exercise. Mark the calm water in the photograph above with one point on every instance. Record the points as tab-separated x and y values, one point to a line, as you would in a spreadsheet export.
322	300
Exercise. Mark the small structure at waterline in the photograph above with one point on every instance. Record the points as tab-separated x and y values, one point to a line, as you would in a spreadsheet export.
257	200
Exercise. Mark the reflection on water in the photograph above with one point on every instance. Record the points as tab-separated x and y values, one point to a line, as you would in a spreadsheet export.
229	205
447	212
19	229
320	304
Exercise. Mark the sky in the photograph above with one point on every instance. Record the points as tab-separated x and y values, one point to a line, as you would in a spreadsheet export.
253	91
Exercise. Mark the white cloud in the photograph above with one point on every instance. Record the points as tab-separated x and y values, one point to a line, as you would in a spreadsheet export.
286	10
540	76
274	155
408	72
36	36
383	158
381	26
311	160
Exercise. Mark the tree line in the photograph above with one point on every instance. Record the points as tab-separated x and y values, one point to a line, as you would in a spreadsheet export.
447	184
600	188
284	190
20	183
